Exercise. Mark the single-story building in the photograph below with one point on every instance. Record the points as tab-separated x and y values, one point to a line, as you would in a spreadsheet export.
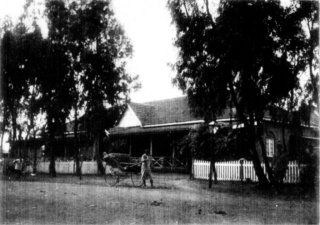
158	125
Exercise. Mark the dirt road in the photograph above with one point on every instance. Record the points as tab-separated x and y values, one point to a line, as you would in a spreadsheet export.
66	200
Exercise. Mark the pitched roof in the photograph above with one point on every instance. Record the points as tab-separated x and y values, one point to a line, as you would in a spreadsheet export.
164	111
159	129
167	115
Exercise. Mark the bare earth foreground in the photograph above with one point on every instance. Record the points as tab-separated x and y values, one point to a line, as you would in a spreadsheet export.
175	199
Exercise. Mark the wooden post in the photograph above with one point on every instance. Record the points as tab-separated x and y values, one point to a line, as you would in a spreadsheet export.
130	147
65	151
151	147
173	158
241	170
173	152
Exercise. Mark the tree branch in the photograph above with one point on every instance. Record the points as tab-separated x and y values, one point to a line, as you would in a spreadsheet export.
185	8
236	104
206	2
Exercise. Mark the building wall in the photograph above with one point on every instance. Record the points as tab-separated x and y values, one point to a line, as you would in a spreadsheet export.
273	130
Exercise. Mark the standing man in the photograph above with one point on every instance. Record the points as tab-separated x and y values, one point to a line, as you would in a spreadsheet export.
146	169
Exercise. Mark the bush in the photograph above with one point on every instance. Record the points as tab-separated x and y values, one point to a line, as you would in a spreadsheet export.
309	173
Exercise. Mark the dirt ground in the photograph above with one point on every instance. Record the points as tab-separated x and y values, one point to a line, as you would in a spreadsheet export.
174	200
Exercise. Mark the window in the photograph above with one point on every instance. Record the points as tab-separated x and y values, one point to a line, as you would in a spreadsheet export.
270	147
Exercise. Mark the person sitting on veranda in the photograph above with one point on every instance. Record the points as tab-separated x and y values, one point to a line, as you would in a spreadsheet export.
114	165
146	169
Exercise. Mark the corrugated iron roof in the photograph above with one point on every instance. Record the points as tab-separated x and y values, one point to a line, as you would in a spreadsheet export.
169	114
175	110
118	131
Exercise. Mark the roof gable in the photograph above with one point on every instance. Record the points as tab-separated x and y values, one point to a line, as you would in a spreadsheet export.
129	119
174	110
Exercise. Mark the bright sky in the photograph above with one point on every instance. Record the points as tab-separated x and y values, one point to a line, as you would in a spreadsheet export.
148	26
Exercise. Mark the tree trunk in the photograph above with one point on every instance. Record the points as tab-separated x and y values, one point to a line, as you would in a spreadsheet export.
212	165
33	138
1	144
255	158
52	169
189	164
10	154
252	137
283	136
266	161
256	161
34	155
264	154
3	130
97	142
76	141
14	126
14	130
33	146
19	145
212	170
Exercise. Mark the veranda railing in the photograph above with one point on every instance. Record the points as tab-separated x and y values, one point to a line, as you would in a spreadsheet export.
90	167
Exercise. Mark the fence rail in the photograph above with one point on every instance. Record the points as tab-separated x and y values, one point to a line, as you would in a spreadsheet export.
88	167
240	171
164	162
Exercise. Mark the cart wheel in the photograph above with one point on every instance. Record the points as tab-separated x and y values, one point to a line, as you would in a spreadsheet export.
136	179
111	180
110	177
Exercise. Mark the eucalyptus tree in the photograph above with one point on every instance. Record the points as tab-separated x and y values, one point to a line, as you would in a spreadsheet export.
242	58
22	48
80	65
308	12
91	37
14	76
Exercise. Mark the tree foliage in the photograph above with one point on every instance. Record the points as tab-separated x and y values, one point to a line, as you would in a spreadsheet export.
247	57
308	12
18	76
79	66
97	48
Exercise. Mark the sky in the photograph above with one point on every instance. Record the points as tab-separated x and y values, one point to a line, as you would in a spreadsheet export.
148	26
147	23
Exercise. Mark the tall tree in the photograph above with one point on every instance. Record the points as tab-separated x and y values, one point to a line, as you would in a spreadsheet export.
82	67
308	12
97	48
241	58
13	74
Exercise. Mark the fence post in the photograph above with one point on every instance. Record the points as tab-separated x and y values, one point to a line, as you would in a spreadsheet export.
241	169
192	170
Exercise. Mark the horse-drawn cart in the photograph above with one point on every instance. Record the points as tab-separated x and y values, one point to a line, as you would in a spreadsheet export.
121	168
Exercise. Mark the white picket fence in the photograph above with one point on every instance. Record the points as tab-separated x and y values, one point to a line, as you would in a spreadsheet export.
233	171
69	167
